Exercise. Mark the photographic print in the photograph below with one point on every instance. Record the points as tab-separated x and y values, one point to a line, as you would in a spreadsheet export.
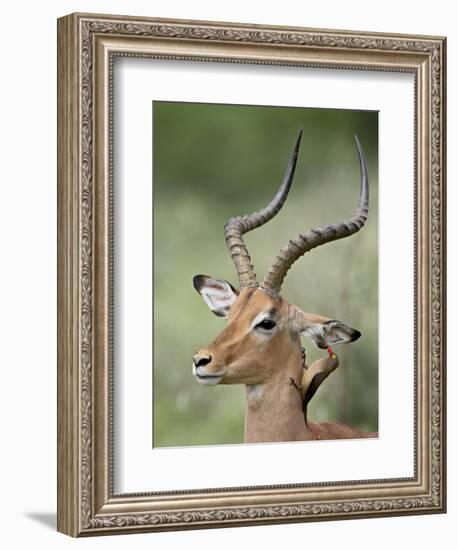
270	214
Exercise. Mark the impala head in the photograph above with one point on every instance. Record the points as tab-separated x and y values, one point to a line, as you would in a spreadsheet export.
263	329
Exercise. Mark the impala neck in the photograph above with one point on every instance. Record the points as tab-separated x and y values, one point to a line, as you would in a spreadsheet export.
274	408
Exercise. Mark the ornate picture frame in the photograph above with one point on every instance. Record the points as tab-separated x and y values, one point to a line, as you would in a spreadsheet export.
87	46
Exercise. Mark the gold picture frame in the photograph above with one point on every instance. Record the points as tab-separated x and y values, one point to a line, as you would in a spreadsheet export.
87	45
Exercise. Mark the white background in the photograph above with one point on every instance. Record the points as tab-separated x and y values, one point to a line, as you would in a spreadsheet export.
389	456
28	274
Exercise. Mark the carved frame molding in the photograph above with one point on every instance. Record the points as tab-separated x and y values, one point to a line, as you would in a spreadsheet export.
87	45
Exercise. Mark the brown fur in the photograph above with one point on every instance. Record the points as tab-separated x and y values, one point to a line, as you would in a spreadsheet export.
266	364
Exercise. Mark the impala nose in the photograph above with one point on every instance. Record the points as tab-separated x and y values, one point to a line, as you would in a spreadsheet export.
201	360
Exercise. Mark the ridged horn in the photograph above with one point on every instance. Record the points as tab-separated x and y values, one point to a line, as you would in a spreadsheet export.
320	235
236	227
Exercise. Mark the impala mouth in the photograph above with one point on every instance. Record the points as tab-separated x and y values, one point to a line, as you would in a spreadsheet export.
207	379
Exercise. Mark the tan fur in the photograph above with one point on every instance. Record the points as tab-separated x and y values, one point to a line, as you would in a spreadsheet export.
271	368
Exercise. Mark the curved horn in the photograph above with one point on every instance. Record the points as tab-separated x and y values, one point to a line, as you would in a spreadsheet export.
320	235
236	227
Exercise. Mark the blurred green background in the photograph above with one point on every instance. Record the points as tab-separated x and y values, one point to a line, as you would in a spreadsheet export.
212	162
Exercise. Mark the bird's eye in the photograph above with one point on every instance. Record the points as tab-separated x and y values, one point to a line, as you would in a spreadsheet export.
266	324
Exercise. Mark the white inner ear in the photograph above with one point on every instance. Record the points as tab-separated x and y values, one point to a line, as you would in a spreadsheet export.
219	296
314	332
328	334
338	333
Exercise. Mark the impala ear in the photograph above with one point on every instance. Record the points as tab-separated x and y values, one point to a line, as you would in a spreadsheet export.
326	332
218	294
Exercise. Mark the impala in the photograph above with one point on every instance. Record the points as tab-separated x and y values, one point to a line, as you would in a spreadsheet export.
260	346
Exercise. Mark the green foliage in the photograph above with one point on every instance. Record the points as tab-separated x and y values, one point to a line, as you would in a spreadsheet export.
212	162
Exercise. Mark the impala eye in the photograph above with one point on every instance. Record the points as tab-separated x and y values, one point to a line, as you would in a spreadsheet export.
266	324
